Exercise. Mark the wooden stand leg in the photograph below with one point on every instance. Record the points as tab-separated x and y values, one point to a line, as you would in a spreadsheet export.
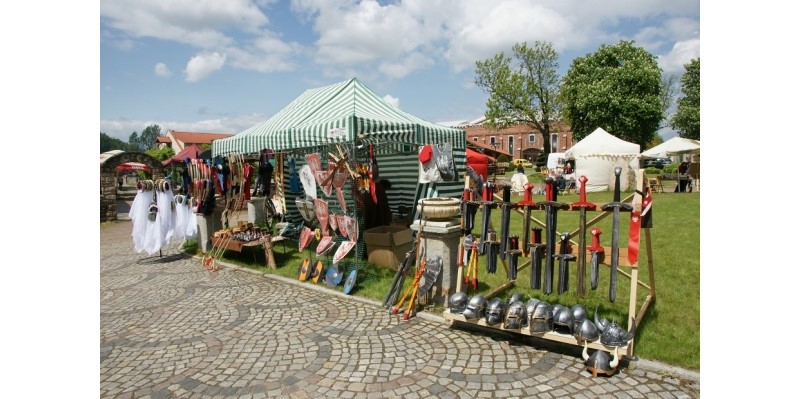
268	251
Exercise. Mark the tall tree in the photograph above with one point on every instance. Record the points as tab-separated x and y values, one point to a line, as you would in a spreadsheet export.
146	140
687	118
617	88
523	89
108	143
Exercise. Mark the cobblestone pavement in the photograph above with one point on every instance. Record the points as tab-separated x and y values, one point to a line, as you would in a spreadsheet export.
171	329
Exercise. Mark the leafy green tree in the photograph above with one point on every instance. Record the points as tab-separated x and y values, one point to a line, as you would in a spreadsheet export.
147	139
108	143
687	118
617	88
523	89
162	154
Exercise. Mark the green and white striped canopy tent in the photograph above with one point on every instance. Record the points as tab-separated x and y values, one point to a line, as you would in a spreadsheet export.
350	114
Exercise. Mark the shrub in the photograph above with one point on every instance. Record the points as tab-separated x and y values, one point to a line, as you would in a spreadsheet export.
652	171
671	168
503	158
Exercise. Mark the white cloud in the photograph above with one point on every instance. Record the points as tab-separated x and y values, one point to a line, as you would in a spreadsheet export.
162	70
203	65
122	128
392	100
681	54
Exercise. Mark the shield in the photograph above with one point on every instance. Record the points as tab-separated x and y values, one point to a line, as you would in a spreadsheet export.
317	271
326	243
313	162
307	179
352	228
341	221
305	269
350	282
305	238
306	208
342	201
429	276
343	250
321	211
320	176
334	276
333	221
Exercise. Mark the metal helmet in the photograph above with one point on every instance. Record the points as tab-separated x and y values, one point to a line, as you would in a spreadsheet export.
516	297
530	305
586	331
579	314
600	362
495	311
475	307
612	334
564	323
458	302
542	318
556	307
517	316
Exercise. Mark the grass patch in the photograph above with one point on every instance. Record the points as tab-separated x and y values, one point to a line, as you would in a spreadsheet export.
669	332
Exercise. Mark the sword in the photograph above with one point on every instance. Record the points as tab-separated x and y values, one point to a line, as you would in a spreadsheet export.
486	211
526	204
505	220
536	258
582	205
514	252
563	264
616	205
551	208
598	252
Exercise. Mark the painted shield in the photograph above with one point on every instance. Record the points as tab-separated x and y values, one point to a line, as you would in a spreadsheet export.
341	221
321	210
343	250
340	177
305	270
313	162
305	238
352	228
342	202
350	282
333	221
334	276
326	243
317	271
307	179
306	208
321	176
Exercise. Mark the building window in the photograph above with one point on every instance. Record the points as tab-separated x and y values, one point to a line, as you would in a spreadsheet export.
554	142
532	138
492	140
475	138
511	145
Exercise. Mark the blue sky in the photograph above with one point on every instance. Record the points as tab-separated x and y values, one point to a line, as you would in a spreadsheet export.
223	66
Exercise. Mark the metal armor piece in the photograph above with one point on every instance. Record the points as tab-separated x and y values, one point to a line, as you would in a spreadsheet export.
600	362
555	308
564	323
517	315
516	297
429	276
458	302
475	308
541	318
495	311
587	331
612	334
579	314
530	306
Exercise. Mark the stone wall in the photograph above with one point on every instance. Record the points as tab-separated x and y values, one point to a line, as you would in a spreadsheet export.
108	180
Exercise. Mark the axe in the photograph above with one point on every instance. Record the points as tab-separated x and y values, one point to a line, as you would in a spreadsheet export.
615	206
582	205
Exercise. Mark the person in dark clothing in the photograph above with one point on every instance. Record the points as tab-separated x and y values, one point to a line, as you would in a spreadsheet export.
265	170
684	180
377	214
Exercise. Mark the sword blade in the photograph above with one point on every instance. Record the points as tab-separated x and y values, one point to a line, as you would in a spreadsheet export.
526	229
549	249
612	281
595	266
582	254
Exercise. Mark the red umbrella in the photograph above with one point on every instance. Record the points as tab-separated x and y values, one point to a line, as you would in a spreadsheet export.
131	166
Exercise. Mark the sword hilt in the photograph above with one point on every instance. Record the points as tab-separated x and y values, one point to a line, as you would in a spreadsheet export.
617	173
582	203
595	247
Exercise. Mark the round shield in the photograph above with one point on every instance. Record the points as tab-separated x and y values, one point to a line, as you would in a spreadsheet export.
334	276
350	282
317	271
305	270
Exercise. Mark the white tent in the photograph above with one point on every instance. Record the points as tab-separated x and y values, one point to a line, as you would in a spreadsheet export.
673	146
596	156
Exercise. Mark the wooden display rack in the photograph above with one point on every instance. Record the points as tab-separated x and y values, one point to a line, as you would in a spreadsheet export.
635	311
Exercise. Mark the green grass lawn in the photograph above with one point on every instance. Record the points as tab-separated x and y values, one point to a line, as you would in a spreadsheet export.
670	330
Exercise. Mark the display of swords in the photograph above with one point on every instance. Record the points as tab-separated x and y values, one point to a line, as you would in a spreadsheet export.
544	253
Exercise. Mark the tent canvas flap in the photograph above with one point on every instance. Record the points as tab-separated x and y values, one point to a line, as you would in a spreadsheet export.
598	154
